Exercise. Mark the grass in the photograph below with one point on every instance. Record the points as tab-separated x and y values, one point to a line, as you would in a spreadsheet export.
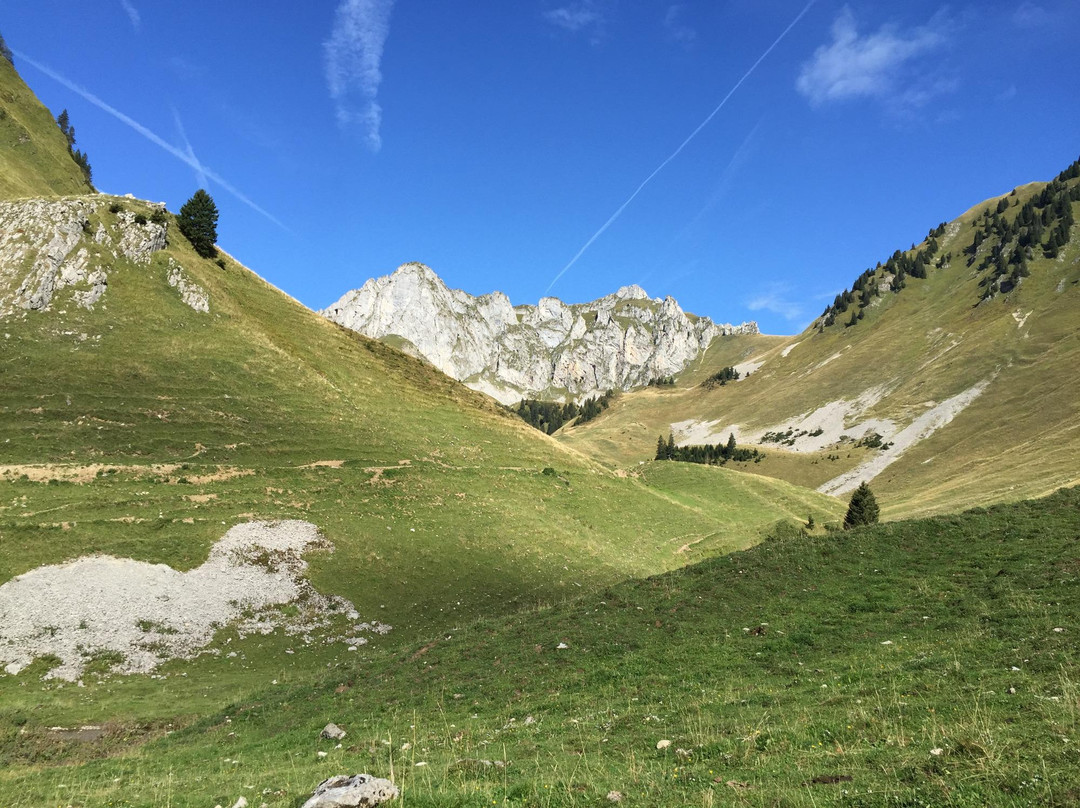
34	155
913	663
532	626
162	427
923	345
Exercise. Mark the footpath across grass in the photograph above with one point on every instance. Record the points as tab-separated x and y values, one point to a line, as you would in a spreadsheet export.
920	663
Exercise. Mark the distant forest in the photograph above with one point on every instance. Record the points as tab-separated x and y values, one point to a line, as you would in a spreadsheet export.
706	454
550	416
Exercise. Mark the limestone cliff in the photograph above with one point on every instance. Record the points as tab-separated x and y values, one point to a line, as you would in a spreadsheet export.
552	350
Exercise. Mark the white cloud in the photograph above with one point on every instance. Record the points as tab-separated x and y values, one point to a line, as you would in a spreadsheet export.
353	55
677	30
872	65
576	17
132	12
775	299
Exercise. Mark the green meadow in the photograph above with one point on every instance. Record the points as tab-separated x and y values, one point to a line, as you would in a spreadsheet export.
572	623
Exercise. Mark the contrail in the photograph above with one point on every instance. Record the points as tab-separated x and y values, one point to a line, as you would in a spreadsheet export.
682	145
151	136
200	172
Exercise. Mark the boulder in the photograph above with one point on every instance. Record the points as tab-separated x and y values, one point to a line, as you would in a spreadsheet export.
352	791
332	732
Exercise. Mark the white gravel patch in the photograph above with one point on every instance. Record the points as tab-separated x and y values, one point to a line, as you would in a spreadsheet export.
695	433
744	369
922	427
824	362
789	348
150	612
834	419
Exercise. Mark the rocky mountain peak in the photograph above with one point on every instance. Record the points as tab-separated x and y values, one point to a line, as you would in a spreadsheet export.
552	350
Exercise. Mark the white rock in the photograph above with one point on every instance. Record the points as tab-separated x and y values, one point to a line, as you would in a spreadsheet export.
332	732
44	249
190	292
345	791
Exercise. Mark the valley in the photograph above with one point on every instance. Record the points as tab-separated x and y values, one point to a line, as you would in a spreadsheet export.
226	521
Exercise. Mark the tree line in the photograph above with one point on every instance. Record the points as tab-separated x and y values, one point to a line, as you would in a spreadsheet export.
80	157
1040	228
721	377
550	416
901	265
706	454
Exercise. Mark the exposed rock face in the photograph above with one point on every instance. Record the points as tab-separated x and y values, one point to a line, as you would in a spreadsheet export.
552	350
46	246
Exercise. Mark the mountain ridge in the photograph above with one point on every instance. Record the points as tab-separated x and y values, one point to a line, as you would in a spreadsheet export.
552	350
944	374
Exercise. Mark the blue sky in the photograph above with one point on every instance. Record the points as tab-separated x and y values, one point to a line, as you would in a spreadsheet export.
747	157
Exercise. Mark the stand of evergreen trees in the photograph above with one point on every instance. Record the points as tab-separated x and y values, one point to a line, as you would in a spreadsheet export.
549	416
721	377
592	407
705	454
900	266
1040	228
80	157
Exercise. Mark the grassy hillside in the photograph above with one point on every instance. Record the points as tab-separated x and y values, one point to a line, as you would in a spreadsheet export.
34	155
911	350
916	663
143	427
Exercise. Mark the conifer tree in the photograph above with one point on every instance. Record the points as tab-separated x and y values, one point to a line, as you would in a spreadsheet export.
661	449
81	159
198	222
863	508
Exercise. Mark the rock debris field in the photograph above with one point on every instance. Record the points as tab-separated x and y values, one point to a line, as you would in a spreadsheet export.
141	614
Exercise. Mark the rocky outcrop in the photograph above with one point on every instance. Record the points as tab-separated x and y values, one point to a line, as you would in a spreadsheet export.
47	245
190	292
355	791
552	350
